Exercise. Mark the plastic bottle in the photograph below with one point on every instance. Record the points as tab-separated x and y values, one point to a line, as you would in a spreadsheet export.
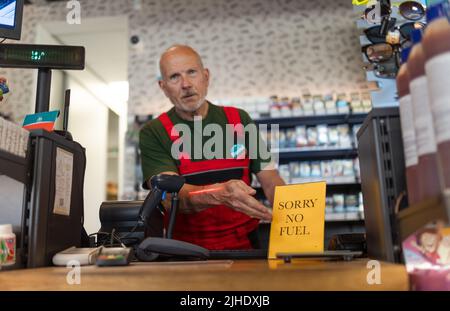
436	45
428	178
7	246
408	133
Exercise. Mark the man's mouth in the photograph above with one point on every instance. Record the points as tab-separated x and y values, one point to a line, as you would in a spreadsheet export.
188	96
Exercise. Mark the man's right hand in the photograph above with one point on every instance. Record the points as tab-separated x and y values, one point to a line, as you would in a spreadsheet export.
239	196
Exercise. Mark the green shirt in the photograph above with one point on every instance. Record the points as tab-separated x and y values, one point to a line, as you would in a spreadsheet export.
155	144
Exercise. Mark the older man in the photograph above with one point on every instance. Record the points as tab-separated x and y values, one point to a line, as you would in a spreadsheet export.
217	210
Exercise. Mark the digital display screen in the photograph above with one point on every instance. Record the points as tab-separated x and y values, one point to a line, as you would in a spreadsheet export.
7	13
42	56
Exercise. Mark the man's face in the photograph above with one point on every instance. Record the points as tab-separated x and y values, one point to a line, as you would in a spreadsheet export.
184	80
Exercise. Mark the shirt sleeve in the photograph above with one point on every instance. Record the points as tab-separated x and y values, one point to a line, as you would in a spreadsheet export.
155	158
260	158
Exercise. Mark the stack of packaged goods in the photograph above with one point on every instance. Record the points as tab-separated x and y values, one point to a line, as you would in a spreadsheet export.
13	138
341	206
340	136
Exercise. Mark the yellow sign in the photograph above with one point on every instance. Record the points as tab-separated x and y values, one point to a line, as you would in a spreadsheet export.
298	219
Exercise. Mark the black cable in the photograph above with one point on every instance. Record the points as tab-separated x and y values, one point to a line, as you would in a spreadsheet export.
3	40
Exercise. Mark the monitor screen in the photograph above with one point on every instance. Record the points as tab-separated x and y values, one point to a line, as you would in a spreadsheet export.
11	18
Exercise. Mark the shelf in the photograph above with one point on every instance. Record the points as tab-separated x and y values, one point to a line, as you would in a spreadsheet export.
344	217
345	188
288	154
354	118
13	166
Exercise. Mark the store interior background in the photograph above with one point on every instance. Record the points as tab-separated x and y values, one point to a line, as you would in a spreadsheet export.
253	48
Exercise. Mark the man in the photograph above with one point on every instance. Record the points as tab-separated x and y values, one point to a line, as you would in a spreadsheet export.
217	207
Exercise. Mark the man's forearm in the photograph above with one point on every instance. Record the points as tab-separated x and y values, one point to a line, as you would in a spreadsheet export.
197	198
269	180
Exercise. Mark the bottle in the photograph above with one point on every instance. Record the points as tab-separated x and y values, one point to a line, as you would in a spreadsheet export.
428	178
408	133
7	246
436	45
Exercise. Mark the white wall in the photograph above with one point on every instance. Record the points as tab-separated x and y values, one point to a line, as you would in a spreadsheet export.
88	123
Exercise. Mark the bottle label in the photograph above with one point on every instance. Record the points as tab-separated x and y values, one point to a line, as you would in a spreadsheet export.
408	133
7	251
423	121
438	75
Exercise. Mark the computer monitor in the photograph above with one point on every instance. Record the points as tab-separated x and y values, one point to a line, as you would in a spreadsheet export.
11	19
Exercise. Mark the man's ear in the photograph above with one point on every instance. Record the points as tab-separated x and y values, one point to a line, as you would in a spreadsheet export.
206	73
162	86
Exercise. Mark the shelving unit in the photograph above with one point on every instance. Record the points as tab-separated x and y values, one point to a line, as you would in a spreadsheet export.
325	153
330	119
335	223
13	166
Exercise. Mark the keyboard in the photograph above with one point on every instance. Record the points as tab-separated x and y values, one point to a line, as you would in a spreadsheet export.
238	254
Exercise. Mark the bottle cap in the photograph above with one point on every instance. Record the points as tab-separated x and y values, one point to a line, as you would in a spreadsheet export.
435	11
6	229
405	54
416	36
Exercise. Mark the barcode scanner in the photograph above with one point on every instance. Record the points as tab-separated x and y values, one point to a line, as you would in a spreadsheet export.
154	248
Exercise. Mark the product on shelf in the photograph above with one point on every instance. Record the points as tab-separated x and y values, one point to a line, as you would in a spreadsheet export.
327	170
301	137
308	105
319	105
311	133
322	135
285	107
351	203
296	105
283	170
329	205
437	67
338	169
355	103
274	109
408	132
330	104
305	170
333	136
315	169
283	143
295	173
348	168
338	203
423	122
291	139
342	104
366	102
344	136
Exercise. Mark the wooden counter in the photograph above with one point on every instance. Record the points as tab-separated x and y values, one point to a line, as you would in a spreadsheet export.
226	275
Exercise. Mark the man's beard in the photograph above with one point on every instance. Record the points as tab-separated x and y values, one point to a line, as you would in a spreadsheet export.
192	108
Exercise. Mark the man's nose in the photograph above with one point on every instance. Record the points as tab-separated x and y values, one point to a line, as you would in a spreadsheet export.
185	82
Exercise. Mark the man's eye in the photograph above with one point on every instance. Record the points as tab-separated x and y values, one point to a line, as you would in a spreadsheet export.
192	72
174	78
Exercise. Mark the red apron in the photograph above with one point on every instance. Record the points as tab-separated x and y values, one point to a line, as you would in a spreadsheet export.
217	227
